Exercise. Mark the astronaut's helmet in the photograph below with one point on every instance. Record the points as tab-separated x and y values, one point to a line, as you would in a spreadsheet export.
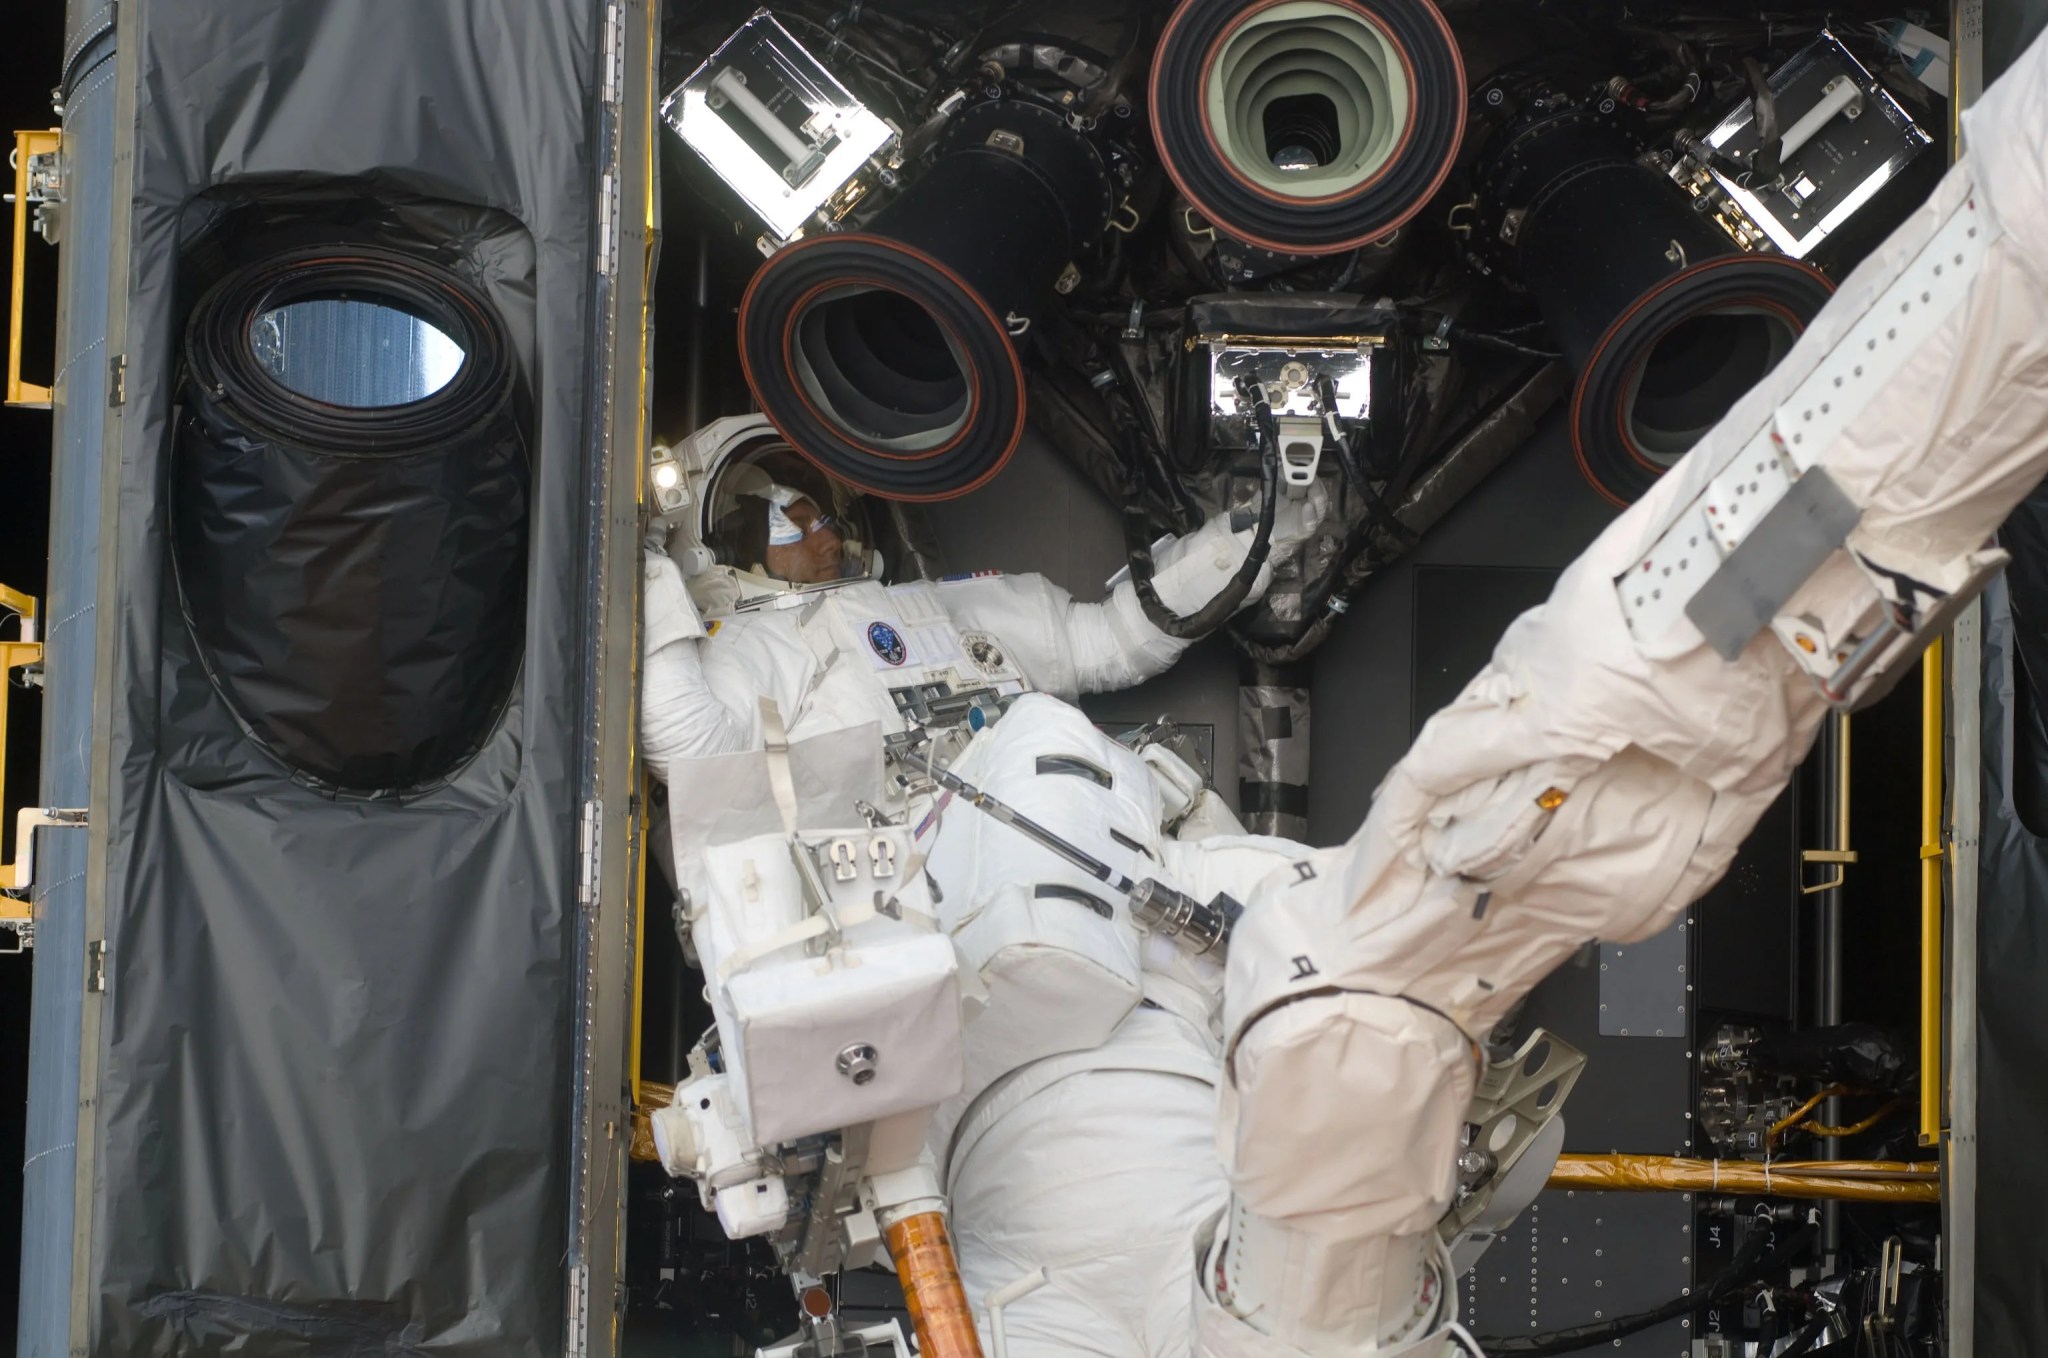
758	520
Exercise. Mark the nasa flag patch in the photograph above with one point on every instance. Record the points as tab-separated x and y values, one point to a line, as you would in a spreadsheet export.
887	643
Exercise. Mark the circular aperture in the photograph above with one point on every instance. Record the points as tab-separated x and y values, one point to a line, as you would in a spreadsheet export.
363	349
878	366
1307	98
1695	371
350	351
1674	362
348	512
882	366
1308	126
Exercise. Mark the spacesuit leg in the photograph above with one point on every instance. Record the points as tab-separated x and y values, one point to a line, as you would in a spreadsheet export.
1097	1167
1601	772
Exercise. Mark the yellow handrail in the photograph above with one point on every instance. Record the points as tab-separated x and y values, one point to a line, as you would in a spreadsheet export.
1932	852
639	951
34	142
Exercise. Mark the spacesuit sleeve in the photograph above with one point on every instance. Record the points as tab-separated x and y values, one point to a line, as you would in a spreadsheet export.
1068	648
681	717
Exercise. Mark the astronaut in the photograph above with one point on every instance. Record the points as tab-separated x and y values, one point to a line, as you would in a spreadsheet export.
767	625
769	608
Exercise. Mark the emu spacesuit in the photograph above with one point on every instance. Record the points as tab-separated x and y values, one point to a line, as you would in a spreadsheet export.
1082	1012
1596	777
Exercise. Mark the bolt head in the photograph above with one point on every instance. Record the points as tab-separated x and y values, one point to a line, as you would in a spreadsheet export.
857	1062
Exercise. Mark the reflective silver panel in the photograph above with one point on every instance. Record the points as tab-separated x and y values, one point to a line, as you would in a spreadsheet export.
776	126
353	353
1836	160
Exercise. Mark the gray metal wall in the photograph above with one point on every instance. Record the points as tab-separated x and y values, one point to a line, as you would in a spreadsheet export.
48	1173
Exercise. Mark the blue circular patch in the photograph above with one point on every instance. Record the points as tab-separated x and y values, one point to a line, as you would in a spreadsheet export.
885	642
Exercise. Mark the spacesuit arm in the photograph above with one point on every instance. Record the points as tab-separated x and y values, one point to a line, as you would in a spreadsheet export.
1069	648
681	717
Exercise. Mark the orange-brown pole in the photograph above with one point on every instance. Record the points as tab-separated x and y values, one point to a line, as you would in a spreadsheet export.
1845	1180
922	1248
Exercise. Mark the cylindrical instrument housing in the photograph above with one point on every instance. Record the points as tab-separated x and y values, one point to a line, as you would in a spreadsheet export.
1665	322
889	356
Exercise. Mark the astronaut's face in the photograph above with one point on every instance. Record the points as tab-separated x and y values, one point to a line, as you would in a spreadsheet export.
815	559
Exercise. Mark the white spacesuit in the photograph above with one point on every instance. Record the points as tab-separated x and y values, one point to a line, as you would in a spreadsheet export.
846	660
1079	1009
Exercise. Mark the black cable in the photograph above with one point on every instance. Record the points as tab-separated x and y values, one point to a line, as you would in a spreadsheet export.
1334	439
1231	597
1149	440
1446	327
1500	344
1755	1260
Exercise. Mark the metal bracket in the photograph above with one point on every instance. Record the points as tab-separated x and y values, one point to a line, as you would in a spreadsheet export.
1838	858
37	179
1515	1100
21	873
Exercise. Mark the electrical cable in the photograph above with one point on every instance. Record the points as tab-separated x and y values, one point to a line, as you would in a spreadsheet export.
1231	597
1792	1119
1149	440
1421	496
1812	1128
1754	1260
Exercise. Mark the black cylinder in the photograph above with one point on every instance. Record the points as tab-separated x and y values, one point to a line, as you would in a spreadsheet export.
889	356
1666	323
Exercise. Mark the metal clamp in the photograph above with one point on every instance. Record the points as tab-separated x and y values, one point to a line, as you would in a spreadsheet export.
35	181
1841	856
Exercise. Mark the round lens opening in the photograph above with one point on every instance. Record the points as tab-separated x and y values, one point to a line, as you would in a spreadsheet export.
879	366
1301	132
1694	372
1307	98
346	351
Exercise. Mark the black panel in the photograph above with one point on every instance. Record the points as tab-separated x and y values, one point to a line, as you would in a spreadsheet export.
1460	613
2012	883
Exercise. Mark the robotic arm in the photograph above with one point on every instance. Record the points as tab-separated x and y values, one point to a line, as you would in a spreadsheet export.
1600	773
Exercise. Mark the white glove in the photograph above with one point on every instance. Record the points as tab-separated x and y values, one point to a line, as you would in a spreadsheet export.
1295	521
1190	570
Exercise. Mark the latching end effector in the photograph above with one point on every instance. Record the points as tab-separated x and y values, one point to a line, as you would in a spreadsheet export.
1857	665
